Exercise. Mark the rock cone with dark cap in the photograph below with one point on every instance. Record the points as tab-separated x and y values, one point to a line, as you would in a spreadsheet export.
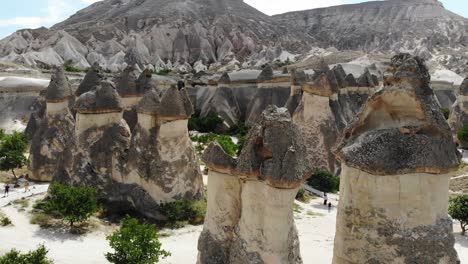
459	115
250	200
91	80
394	184
314	116
50	136
161	157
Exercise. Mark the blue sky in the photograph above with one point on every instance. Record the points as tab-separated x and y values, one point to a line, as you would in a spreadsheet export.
18	14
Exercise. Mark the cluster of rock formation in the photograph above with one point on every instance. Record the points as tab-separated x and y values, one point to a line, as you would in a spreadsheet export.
241	96
396	156
323	104
53	130
140	169
459	114
250	200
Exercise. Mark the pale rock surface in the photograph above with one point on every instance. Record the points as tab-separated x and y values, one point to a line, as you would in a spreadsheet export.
396	157
459	114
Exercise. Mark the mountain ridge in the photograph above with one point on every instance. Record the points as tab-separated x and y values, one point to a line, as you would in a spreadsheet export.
183	34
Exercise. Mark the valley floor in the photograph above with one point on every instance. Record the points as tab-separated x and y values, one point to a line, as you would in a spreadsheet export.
315	224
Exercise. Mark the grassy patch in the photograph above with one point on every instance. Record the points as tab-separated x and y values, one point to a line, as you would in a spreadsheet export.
297	208
23	203
310	213
41	219
303	196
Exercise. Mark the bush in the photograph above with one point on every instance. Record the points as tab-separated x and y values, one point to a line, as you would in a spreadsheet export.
5	221
204	124
135	243
163	72
192	212
462	134
224	141
68	65
324	181
446	112
74	204
38	256
458	209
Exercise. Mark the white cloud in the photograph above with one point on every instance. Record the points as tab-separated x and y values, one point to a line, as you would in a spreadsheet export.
55	11
90	1
272	7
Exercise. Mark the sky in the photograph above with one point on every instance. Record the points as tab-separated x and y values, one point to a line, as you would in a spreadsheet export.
19	14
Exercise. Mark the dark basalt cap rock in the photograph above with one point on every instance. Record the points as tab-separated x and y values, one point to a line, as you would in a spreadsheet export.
224	79
274	151
126	83
103	99
366	80
298	77
321	68
144	83
351	81
464	87
218	160
266	74
400	129
172	104
150	103
340	75
59	88
91	80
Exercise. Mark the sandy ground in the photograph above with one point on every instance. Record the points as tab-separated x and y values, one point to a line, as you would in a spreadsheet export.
316	226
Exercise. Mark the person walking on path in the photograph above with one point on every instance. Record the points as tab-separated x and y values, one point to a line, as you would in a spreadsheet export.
329	206
26	186
7	190
325	199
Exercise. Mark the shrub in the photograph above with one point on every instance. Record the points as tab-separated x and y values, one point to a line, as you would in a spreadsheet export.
228	146
324	181
68	65
38	256
463	133
74	204
5	221
135	243
446	112
192	212
163	72
458	209
224	141
205	124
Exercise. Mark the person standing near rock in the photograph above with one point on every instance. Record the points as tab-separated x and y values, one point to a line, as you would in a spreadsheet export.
26	186
7	190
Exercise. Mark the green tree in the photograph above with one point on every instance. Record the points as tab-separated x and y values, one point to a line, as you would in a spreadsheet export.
38	256
12	148
463	133
227	144
458	209
74	204
205	124
324	181
135	243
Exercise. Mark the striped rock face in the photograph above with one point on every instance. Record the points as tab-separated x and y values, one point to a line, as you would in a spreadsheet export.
396	157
